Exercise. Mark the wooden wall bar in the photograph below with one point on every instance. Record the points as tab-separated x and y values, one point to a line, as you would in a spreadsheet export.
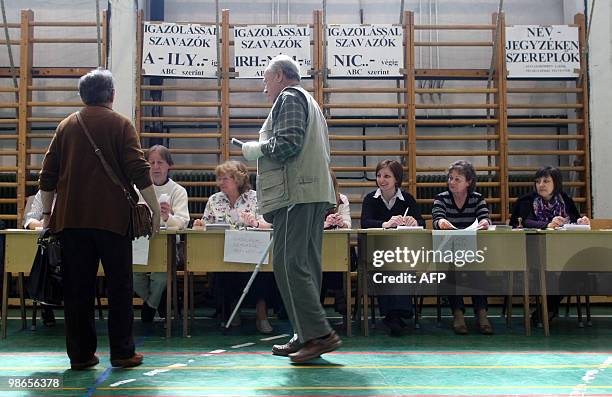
369	120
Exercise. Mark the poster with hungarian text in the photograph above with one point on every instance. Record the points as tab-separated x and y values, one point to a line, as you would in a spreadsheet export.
179	50
534	51
255	45
365	50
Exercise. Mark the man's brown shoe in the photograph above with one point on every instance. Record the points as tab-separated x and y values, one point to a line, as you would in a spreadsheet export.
133	361
92	362
290	347
315	347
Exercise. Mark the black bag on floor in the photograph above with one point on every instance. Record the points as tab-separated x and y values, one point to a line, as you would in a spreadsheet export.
46	274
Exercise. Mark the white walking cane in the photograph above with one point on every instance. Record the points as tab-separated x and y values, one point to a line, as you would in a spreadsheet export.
248	285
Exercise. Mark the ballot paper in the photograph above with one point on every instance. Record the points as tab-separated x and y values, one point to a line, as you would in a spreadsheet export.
456	242
473	226
573	226
140	251
218	226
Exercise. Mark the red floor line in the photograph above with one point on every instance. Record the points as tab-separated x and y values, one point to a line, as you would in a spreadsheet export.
398	353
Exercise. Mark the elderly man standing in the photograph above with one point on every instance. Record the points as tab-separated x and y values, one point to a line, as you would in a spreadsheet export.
91	215
294	191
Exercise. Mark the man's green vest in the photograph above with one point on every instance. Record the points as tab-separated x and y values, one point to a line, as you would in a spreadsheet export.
304	178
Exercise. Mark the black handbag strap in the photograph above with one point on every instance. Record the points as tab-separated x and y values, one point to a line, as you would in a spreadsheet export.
109	170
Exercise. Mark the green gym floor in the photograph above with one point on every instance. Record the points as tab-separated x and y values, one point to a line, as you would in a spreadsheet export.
431	361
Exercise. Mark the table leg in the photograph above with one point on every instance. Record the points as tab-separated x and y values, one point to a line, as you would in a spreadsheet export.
349	309
170	269
4	302
24	322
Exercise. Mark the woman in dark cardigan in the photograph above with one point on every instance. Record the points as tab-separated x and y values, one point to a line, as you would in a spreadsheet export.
389	207
547	207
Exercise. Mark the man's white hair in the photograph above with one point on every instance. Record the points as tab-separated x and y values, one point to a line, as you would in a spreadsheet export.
285	64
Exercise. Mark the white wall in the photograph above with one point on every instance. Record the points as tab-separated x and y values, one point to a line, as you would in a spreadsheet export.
600	101
124	18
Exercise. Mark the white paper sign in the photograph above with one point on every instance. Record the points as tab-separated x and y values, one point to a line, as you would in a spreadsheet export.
244	246
542	51
365	50
255	45
140	251
453	244
179	50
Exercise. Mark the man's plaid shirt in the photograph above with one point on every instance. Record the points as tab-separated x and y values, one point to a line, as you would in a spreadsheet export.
289	120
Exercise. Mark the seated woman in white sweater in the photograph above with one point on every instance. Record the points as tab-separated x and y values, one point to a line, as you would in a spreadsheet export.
172	199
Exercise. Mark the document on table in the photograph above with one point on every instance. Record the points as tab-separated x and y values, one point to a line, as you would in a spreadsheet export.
453	241
573	226
243	246
140	251
473	226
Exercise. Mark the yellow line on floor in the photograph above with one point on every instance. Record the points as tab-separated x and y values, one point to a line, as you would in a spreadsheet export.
339	366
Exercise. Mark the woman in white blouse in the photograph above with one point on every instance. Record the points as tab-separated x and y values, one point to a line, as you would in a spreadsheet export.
338	217
236	204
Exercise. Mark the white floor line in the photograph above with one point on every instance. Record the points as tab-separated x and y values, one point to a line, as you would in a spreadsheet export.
178	365
275	337
122	382
243	345
155	372
217	351
590	375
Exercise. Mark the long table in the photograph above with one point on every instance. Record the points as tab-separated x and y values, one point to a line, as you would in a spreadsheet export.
20	250
204	254
568	251
505	251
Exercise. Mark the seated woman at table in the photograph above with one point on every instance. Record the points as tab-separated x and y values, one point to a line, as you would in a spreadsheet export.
236	204
172	199
33	220
389	207
457	208
547	207
338	217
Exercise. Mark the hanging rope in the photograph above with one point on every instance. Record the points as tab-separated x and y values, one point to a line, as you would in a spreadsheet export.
490	73
401	128
99	29
588	33
10	50
219	71
585	50
494	55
